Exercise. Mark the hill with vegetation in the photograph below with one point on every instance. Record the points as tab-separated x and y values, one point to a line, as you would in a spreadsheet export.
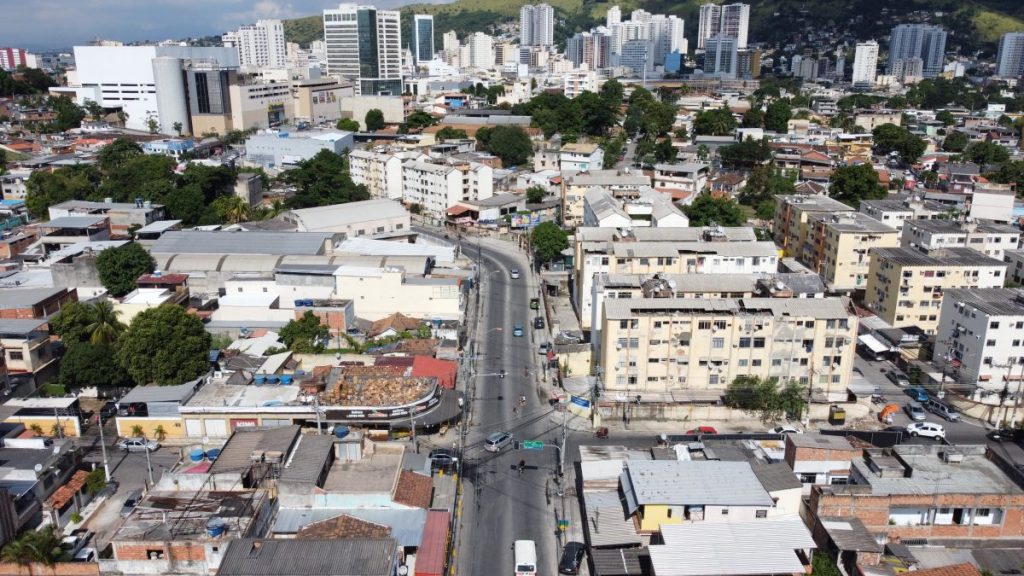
975	24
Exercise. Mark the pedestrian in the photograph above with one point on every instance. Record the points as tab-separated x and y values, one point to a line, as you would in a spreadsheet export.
417	446
521	467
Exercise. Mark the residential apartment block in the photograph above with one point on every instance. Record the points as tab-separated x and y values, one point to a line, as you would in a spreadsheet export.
793	217
1015	265
989	239
905	286
438	187
691	177
645	208
699	345
381	173
895	211
581	157
575	186
838	247
651	251
983	333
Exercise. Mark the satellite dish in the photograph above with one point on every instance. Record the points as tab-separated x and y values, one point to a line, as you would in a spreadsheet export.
38	467
56	450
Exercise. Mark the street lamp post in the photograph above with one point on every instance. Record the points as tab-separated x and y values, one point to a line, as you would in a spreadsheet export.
103	447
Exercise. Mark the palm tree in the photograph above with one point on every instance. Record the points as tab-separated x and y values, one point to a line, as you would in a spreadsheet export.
233	209
36	429
138	432
105	327
160	433
42	546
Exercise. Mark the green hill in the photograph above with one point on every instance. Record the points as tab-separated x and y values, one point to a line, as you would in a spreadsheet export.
974	24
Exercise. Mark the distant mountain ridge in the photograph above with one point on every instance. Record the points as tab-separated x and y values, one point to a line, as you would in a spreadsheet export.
974	24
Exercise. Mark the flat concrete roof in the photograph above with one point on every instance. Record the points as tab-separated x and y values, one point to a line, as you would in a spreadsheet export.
930	474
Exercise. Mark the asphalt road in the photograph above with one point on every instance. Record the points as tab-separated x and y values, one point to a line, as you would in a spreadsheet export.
501	505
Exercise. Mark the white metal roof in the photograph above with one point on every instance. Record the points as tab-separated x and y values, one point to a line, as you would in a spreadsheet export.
699	482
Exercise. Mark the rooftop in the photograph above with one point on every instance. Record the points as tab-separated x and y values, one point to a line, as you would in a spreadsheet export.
706	234
158	226
224	243
814	203
375	475
579	148
921	470
218	393
697	482
855	222
944	257
824	441
85	205
323	217
183	515
990	301
405	524
236	455
937	226
304	557
822	308
607	178
74	222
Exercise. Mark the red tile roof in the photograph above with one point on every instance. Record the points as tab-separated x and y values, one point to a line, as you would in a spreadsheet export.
343	526
443	370
434	545
965	569
414	489
59	499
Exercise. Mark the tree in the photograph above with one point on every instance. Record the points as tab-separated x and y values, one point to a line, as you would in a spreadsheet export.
985	153
117	154
510	143
374	120
548	241
420	120
746	154
823	565
104	328
121	266
851	184
3	161
682	134
305	335
664	151
955	142
165	345
1010	173
715	122
232	209
946	117
153	125
95	481
71	322
764	183
177	128
753	118
85	365
347	124
34	546
892	138
776	117
535	194
703	153
765	397
708	209
45	189
67	114
449	133
323	180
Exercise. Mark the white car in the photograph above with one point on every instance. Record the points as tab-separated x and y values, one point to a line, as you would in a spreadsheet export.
515	273
927	429
785	430
138	445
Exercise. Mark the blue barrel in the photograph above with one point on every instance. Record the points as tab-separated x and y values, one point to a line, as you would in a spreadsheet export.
216	526
272	379
196	454
299	303
340	431
213	453
286	379
259	380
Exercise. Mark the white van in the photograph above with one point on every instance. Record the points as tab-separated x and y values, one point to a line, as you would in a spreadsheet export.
526	557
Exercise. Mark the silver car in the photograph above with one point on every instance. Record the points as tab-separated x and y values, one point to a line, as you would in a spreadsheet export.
915	411
138	445
495	442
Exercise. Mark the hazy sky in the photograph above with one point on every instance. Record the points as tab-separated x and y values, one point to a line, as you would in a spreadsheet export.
51	24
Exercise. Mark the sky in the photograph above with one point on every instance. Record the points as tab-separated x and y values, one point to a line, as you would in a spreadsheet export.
53	24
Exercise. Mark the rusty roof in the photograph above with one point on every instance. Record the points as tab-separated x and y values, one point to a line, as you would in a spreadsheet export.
413	489
343	526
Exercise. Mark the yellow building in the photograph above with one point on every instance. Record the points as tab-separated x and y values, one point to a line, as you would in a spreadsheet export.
905	286
663	346
794	215
837	247
58	417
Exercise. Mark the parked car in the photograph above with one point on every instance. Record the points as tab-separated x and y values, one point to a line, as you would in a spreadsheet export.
1006	435
915	411
108	411
918	393
442	458
898	378
544	347
495	442
538	322
517	330
927	429
572	558
702	430
534	303
515	273
138	445
131	502
785	430
940	408
85	555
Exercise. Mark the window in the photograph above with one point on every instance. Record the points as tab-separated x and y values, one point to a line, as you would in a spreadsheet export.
755	363
776	362
17	355
718	343
720	324
758	342
669	515
990	342
713	379
743	363
725	511
744	343
704	325
808	478
761	514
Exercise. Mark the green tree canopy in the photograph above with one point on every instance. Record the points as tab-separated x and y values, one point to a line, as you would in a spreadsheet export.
892	138
510	143
165	345
851	184
347	124
777	116
374	120
746	154
766	397
714	122
708	209
120	267
305	335
753	118
955	141
34	546
763	184
946	117
535	194
105	328
71	322
117	153
420	120
85	366
548	241
449	133
664	151
1010	173
985	153
323	180
44	189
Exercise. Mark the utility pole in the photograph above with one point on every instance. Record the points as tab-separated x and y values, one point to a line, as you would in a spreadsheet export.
561	449
103	447
316	408
149	465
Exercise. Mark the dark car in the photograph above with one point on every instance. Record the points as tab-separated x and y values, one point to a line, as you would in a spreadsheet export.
109	410
1006	435
538	322
572	557
442	458
917	393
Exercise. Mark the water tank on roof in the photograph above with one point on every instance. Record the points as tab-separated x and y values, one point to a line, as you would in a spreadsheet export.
341	431
272	379
196	454
216	526
259	380
299	303
212	454
286	379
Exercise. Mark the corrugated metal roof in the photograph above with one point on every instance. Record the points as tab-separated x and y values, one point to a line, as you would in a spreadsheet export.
695	483
236	455
350	557
618	562
74	222
206	242
25	297
430	558
179	393
607	521
337	215
731	548
20	326
308	459
406	525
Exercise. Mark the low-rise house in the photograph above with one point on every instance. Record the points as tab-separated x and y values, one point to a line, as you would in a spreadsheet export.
895	211
644	208
28	303
820	458
575	186
33	469
124	217
27	351
311	557
689	177
66	231
580	156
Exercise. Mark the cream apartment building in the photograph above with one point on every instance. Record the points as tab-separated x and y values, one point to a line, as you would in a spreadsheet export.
381	173
905	286
989	239
650	251
699	346
793	215
838	247
438	187
575	185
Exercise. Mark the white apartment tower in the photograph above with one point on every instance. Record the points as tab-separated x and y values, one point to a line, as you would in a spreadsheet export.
924	41
364	44
450	41
720	56
259	45
729	19
481	51
1010	58
536	25
865	64
614	16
